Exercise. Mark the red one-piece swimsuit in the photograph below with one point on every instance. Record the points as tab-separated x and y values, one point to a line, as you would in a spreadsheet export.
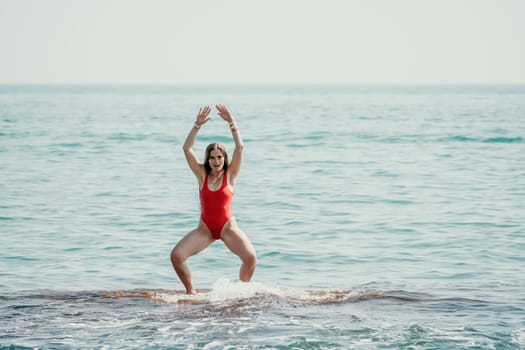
216	206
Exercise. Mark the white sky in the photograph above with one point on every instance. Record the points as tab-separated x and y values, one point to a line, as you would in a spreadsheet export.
262	42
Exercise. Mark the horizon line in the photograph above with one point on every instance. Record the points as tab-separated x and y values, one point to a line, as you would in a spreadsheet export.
312	84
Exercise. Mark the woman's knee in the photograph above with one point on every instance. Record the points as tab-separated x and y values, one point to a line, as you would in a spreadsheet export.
177	257
250	258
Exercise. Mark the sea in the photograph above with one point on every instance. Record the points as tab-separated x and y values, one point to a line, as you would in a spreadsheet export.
383	216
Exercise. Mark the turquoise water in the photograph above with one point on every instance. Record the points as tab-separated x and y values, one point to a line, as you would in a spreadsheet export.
384	217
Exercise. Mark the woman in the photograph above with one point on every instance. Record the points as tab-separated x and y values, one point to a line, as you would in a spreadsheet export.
216	177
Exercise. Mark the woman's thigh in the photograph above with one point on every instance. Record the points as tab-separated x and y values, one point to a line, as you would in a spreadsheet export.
194	242
237	241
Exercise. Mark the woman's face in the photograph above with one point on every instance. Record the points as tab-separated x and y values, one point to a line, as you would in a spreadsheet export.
216	160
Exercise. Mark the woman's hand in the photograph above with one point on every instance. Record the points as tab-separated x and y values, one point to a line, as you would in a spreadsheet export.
224	113
203	116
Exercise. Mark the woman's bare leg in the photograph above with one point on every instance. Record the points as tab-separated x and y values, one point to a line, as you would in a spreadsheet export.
237	241
189	245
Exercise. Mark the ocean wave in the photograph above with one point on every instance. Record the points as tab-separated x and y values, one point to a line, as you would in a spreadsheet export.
463	138
227	293
234	314
446	139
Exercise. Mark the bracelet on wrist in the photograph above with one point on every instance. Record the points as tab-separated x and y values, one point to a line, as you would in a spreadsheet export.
197	126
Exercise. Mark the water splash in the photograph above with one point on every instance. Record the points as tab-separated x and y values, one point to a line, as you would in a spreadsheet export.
226	292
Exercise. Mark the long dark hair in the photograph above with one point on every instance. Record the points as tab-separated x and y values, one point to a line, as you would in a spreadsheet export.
211	147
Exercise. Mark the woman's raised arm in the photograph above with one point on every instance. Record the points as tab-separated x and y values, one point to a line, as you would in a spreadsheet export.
202	117
235	163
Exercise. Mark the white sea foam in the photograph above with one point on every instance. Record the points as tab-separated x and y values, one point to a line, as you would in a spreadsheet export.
224	289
